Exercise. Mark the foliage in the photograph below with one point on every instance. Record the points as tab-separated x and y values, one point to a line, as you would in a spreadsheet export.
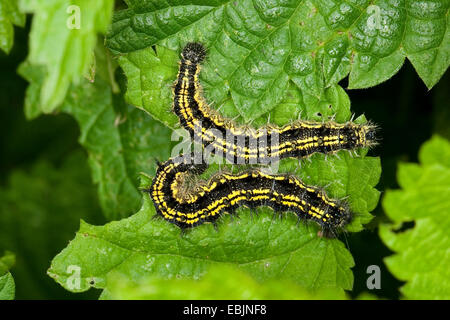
65	53
7	286
421	252
219	283
268	61
256	47
9	16
121	141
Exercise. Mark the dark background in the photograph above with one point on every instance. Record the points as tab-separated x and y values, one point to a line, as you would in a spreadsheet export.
407	113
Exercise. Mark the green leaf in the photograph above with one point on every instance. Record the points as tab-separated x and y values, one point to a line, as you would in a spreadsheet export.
120	145
66	51
7	286
367	296
104	66
6	262
219	283
121	140
427	38
256	48
149	82
141	246
368	70
421	253
35	75
9	15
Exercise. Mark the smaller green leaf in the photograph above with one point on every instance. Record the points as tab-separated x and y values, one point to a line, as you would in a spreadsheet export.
104	66
427	38
150	76
66	51
120	144
121	140
7	286
6	262
421	257
35	75
219	283
9	15
367	296
435	152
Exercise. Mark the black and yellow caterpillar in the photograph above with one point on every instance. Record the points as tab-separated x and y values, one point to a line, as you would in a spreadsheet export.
241	144
225	192
189	206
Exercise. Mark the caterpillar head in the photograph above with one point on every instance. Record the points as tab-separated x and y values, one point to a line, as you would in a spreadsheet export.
370	134
341	216
359	136
194	52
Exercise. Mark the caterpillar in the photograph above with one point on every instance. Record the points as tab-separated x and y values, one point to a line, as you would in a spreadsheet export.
190	206
246	145
225	192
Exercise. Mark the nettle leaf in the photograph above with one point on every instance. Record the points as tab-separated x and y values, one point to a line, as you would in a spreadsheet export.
9	15
121	140
219	283
120	143
35	75
6	262
7	285
421	252
62	40
140	246
256	48
150	78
